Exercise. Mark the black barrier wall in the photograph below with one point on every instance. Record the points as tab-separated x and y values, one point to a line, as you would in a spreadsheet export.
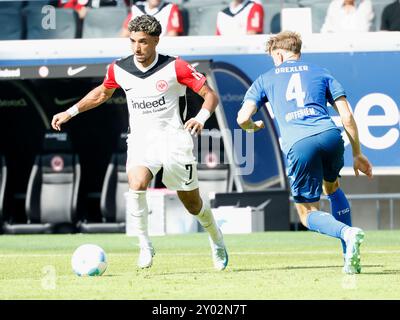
26	110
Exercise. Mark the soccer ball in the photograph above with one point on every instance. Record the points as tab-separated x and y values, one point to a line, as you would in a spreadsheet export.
89	260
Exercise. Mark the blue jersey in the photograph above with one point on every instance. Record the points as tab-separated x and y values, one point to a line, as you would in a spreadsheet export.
298	93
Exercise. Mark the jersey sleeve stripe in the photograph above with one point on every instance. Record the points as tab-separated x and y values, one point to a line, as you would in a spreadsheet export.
109	81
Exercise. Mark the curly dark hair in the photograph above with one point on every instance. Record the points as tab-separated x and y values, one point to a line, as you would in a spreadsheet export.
145	23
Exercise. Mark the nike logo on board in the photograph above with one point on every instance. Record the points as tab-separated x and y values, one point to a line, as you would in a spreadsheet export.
73	71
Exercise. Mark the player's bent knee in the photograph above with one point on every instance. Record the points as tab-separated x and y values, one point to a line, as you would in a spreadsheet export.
304	209
303	217
330	187
191	200
303	220
193	207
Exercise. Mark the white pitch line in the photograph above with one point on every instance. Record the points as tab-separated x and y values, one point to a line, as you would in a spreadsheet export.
266	253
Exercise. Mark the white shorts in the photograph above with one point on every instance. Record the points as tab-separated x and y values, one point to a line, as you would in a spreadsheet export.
170	149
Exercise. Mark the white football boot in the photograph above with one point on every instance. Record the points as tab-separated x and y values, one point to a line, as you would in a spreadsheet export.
145	259
355	236
219	255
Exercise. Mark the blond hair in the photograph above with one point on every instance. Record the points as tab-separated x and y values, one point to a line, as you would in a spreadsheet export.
286	40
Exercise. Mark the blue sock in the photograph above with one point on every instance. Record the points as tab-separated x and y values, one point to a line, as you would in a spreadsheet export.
340	209
325	223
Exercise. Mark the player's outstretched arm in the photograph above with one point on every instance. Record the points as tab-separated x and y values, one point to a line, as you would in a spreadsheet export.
196	124
93	99
360	162
244	120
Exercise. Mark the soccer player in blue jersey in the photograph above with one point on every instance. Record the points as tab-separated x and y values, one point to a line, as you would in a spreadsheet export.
298	93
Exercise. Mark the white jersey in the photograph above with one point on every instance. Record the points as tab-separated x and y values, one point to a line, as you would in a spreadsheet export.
158	139
248	16
168	14
153	93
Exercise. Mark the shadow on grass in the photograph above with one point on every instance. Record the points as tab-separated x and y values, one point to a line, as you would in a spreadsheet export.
384	272
301	267
324	267
237	270
284	268
192	273
148	273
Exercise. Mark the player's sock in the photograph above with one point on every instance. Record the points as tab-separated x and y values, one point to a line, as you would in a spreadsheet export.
207	220
340	209
325	223
136	206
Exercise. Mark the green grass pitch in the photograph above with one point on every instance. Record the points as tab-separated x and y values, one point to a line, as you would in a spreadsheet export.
270	265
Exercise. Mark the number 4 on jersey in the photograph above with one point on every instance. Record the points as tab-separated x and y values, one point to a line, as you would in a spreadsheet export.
295	91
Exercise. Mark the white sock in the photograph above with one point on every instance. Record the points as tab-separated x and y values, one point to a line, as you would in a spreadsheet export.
207	220
346	233
136	206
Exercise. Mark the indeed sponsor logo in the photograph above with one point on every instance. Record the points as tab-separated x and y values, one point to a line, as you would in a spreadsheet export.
13	103
10	73
376	131
148	104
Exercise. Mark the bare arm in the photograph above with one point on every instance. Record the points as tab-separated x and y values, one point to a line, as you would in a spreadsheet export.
196	124
210	98
349	124
244	119
93	99
360	162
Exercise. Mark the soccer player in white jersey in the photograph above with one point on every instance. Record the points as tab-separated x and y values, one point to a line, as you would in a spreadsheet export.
241	17
167	13
158	138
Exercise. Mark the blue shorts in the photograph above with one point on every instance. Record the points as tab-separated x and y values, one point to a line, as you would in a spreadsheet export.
313	159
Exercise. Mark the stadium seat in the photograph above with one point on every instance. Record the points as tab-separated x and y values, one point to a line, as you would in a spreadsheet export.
11	22
378	7
177	1
213	173
185	20
3	180
279	1
318	12
203	18
40	27
52	193
104	22
296	19
213	180
112	200
38	3
272	16
205	2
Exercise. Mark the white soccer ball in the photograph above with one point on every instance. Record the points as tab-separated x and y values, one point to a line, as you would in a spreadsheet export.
89	260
